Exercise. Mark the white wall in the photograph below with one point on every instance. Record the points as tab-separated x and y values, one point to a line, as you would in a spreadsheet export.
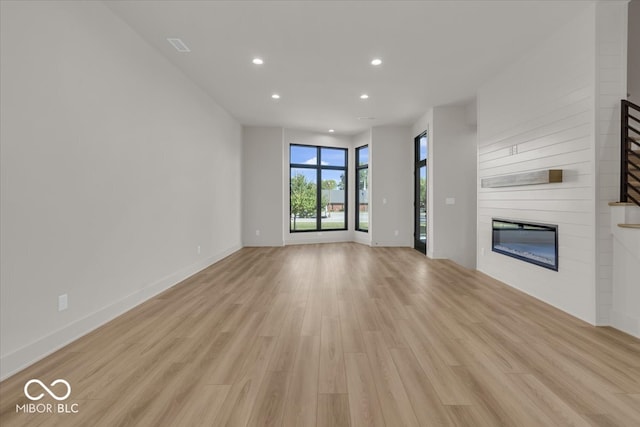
453	158
360	140
625	313
391	180
544	104
292	136
262	192
611	87
115	168
633	49
625	309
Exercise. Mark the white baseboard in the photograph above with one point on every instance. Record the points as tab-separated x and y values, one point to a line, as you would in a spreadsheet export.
316	240
625	323
362	238
391	244
18	360
252	243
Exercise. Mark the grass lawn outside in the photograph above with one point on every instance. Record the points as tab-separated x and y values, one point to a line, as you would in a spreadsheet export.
311	225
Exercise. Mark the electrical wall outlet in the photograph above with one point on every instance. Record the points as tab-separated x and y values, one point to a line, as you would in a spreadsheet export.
257	232
198	249
395	233
63	302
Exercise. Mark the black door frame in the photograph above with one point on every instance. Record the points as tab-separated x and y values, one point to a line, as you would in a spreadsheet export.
418	164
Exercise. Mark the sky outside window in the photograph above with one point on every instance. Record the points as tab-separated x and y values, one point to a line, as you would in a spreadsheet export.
332	157
302	155
363	156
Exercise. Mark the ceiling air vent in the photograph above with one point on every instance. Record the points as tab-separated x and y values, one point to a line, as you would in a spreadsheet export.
179	45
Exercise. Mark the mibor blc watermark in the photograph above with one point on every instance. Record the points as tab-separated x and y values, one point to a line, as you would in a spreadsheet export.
63	393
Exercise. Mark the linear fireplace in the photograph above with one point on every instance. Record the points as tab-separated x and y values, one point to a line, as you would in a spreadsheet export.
527	241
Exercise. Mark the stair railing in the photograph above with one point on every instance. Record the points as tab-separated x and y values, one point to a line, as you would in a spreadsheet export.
630	153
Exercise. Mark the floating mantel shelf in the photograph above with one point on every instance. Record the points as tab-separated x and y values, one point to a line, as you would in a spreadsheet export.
528	178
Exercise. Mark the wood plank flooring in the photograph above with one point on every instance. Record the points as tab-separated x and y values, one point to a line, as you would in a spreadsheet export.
340	335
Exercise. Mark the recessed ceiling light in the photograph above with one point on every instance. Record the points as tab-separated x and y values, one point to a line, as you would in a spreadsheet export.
275	96
331	131
376	61
178	45
364	96
258	61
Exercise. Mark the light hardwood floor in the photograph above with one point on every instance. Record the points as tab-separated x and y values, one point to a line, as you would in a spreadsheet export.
339	335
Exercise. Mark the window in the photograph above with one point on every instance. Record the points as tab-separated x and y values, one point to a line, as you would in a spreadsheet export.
362	190
317	188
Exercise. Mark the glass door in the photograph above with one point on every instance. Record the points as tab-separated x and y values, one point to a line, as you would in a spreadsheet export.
420	188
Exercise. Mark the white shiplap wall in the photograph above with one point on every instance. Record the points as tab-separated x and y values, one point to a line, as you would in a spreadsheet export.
611	83
544	105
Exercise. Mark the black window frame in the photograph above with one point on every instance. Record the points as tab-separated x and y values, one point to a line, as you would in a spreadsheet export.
357	182
319	167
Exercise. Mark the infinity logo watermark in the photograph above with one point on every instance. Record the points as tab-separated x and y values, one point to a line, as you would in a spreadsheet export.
51	393
48	408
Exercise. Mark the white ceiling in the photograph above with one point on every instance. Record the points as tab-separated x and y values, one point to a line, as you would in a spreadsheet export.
317	53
